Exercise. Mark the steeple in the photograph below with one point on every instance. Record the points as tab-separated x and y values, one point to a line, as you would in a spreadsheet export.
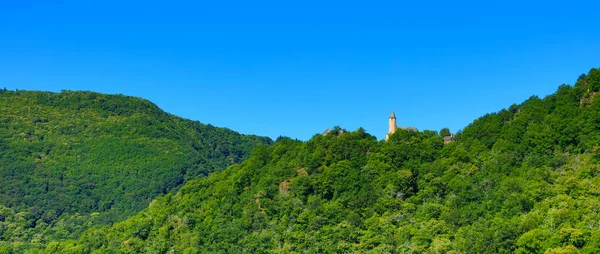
393	115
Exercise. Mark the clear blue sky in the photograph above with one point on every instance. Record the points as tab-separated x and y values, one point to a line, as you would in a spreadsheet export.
295	68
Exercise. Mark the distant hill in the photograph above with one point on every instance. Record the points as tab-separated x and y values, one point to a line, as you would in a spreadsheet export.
72	160
524	180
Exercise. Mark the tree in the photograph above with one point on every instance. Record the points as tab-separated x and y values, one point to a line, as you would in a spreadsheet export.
444	132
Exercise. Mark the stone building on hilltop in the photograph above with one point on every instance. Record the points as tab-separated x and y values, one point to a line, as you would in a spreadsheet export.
448	139
393	127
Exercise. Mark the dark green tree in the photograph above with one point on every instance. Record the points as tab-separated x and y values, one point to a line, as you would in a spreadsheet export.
444	132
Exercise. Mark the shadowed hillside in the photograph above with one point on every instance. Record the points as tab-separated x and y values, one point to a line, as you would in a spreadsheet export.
72	160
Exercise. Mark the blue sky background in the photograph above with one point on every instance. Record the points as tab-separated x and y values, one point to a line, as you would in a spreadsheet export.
295	68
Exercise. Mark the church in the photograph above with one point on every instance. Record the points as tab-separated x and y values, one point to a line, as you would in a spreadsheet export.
393	127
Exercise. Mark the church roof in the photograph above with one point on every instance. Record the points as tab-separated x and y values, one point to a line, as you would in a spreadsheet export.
393	115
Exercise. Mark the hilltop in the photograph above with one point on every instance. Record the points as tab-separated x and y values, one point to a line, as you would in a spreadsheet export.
74	160
524	179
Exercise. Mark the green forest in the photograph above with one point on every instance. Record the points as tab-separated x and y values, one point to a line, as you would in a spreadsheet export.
525	179
74	160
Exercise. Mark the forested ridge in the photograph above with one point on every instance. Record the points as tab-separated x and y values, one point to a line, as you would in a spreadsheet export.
522	180
74	160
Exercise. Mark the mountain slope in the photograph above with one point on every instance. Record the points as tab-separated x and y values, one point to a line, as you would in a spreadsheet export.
72	160
523	180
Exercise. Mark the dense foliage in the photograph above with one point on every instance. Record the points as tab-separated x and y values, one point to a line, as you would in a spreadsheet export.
524	180
72	160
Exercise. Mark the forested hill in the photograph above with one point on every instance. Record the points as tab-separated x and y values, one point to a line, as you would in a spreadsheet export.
72	160
524	180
